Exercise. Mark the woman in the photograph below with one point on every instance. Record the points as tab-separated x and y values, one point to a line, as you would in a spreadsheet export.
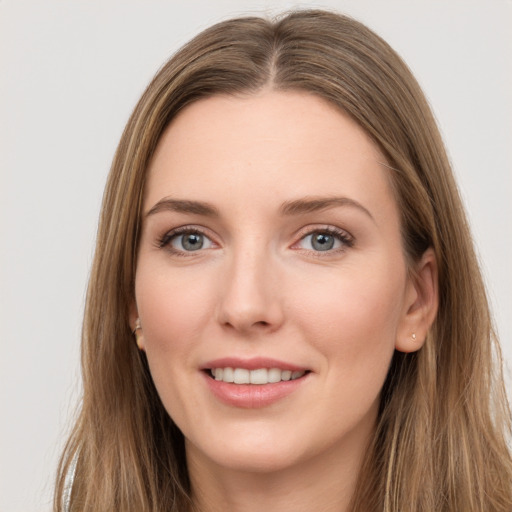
285	310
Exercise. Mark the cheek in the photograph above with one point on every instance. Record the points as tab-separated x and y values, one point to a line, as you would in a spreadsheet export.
174	309
352	318
172	305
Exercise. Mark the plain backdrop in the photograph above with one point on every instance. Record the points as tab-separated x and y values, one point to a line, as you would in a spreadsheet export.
70	73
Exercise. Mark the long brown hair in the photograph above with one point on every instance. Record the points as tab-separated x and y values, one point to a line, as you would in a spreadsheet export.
441	437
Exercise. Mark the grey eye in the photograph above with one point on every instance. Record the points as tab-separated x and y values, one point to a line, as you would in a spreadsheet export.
321	241
190	242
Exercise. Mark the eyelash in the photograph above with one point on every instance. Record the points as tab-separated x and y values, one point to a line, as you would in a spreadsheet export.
164	242
346	240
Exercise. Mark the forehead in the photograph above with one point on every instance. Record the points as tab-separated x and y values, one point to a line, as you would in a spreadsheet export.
289	143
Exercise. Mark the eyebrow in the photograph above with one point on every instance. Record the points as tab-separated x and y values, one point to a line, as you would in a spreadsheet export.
289	208
314	204
183	206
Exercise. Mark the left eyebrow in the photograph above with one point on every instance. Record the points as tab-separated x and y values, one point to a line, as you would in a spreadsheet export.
183	206
314	204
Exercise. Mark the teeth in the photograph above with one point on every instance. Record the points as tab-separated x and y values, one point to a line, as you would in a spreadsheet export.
241	376
274	375
258	376
286	375
228	375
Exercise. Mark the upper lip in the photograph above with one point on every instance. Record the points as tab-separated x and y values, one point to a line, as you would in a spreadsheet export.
252	363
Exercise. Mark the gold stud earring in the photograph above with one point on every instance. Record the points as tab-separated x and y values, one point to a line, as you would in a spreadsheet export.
137	334
137	326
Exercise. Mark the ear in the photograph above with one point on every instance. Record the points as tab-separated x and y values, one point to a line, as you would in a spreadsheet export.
133	315
420	305
135	326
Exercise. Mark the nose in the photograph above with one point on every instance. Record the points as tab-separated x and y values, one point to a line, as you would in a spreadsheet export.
250	301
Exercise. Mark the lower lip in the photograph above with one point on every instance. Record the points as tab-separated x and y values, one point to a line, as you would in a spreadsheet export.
252	396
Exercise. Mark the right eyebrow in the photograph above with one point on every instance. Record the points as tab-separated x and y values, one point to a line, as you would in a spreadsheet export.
314	204
183	206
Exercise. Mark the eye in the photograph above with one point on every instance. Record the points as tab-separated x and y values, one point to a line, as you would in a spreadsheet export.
185	240
190	242
325	240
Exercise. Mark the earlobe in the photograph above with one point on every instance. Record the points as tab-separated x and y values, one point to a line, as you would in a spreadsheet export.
136	327
139	337
420	308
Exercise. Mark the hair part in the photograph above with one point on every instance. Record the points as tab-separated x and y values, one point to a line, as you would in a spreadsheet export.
441	437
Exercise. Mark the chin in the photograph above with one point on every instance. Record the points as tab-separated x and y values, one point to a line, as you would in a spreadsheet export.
248	455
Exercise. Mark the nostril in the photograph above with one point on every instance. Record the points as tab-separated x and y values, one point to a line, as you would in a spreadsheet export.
246	317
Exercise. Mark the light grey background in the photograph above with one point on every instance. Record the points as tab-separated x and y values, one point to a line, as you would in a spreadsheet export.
70	73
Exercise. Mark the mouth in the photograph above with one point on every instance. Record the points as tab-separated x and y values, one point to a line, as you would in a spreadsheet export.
253	383
258	376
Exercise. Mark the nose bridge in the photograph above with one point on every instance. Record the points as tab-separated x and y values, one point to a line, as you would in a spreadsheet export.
249	295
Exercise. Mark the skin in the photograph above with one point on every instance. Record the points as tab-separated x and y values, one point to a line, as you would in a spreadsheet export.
258	287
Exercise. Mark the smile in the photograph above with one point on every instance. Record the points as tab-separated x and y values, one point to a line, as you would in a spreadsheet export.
258	376
255	382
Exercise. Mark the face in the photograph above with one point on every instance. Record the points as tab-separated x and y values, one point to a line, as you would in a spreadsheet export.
271	284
